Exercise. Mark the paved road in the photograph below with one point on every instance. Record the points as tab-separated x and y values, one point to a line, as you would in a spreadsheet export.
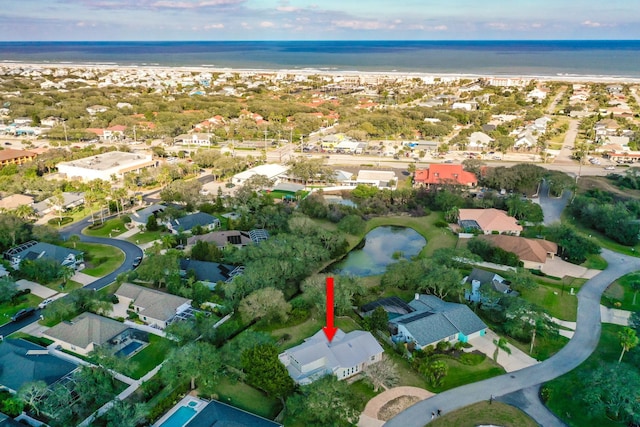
552	207
573	354
130	250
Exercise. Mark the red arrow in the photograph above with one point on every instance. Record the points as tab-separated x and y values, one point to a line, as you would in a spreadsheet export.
330	330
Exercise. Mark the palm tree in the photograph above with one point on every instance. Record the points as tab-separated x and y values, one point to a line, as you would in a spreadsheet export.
635	287
24	212
57	202
628	340
74	238
501	344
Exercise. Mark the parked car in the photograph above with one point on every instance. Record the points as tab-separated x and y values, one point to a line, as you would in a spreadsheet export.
137	261
23	314
610	168
45	303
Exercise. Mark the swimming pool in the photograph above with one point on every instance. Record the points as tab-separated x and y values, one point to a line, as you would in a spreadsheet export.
180	417
129	348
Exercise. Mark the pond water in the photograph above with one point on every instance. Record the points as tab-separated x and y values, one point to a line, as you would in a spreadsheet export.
378	251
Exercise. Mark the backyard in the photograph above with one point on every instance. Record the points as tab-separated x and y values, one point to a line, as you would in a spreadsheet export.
245	397
150	356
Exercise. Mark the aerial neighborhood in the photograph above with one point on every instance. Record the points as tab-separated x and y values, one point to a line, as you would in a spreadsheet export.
199	247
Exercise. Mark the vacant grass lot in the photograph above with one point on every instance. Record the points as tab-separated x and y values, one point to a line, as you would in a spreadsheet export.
621	293
556	302
151	356
563	400
111	228
482	413
99	259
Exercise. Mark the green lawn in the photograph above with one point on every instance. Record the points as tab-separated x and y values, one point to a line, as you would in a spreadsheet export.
563	400
111	228
245	397
460	374
99	259
151	356
145	237
9	309
595	262
298	333
44	342
601	239
620	295
347	324
436	237
483	413
558	303
544	347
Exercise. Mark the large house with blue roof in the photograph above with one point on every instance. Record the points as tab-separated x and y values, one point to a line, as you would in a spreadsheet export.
188	222
433	320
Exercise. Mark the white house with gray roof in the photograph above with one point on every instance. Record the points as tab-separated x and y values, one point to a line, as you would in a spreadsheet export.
33	250
433	320
154	307
345	356
86	332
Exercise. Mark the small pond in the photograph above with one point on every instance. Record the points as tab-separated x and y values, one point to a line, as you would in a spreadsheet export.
380	245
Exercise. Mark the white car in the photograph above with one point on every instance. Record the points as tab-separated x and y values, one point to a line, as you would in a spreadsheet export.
610	168
45	303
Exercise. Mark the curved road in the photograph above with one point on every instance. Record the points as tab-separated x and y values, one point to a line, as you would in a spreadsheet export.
130	250
580	347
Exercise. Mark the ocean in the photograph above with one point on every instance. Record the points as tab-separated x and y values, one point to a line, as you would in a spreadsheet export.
620	58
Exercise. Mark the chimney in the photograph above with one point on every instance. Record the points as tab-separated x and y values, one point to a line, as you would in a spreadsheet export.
417	297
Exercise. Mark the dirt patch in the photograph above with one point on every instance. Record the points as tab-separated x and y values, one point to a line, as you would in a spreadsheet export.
395	406
601	183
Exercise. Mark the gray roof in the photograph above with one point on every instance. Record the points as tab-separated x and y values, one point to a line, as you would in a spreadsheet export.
218	414
70	199
434	320
391	305
222	238
207	271
483	276
344	351
189	221
85	329
22	362
141	216
153	303
34	250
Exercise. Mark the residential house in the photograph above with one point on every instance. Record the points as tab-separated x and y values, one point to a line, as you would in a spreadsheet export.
70	200
537	94
433	320
223	239
393	306
479	140
51	121
23	362
188	222
140	217
95	109
86	332
153	307
488	221
209	273
14	201
113	133
483	282
345	356
9	156
532	252
526	140
220	414
35	250
466	106
444	174
379	179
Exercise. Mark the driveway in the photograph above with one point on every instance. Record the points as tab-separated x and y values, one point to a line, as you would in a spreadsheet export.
552	207
579	348
615	316
510	362
557	267
36	288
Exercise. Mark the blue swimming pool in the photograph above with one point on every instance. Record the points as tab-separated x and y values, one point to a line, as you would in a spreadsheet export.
180	417
129	348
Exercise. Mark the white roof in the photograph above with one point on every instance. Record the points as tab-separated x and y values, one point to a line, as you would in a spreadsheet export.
269	170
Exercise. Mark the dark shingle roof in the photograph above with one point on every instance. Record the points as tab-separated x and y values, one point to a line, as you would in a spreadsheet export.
390	305
218	414
188	222
207	271
20	363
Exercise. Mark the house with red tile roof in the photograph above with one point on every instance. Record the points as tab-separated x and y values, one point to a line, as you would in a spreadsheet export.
444	174
112	133
532	252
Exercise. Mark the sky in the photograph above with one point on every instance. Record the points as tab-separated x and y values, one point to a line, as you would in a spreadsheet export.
87	20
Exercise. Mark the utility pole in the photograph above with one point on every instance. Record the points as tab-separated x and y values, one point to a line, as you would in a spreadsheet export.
64	126
301	143
265	140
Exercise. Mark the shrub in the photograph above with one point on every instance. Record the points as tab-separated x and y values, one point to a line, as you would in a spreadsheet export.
441	224
472	359
163	405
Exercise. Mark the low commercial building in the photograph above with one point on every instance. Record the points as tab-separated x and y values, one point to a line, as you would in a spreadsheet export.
15	157
444	174
272	171
104	166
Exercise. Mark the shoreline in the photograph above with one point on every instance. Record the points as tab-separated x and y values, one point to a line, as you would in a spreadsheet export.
109	66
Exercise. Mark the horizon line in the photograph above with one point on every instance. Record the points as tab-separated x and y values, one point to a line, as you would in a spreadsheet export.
320	40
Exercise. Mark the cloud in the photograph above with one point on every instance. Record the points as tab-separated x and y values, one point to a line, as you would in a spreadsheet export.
159	4
267	24
171	4
355	24
595	24
213	27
